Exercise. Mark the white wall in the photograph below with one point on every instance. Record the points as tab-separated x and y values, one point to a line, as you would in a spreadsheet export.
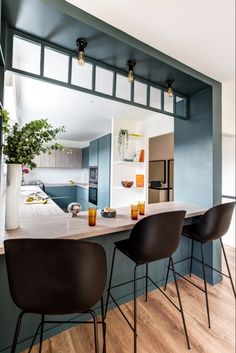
57	175
228	107
157	125
228	165
228	181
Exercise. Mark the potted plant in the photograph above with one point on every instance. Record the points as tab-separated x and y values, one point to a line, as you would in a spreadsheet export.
21	144
123	139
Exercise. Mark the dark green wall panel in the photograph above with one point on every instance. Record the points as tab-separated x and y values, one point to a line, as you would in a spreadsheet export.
193	151
197	155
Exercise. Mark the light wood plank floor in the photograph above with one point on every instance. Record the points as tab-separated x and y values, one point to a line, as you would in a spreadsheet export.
160	326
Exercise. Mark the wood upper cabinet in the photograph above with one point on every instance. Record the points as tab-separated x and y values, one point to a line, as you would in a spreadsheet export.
75	160
70	158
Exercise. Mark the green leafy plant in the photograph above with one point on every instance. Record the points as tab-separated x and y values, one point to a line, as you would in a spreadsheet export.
123	140
22	144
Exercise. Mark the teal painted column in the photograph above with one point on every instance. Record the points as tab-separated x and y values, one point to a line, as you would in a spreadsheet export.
197	158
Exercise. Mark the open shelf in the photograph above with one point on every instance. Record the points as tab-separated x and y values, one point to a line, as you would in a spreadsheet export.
123	188
139	138
128	162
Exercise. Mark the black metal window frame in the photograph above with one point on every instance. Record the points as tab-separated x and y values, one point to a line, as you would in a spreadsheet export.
10	33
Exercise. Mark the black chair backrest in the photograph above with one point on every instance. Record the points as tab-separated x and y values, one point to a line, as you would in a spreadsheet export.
55	276
156	237
215	222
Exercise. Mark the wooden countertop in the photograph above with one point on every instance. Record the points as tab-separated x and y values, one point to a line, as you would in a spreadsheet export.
52	223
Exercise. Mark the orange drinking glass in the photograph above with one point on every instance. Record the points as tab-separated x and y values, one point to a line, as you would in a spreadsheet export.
141	208
134	212
92	215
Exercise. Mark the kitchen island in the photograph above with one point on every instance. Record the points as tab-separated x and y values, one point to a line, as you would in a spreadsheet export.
49	221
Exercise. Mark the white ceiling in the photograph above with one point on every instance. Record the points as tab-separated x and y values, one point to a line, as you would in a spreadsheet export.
200	33
84	116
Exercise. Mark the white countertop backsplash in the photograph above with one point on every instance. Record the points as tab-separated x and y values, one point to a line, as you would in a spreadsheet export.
58	175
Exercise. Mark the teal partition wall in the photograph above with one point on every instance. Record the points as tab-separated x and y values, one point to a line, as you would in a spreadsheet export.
197	158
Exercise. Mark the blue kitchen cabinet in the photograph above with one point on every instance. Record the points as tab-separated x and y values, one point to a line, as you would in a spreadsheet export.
103	200
82	193
85	157
93	153
82	197
83	204
104	165
62	195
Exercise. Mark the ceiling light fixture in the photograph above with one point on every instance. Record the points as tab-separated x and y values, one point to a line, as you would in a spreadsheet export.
81	44
131	64
170	91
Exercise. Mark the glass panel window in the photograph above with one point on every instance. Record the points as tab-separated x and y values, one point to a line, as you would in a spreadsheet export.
180	106
56	65
82	74
168	103
155	98
140	92
26	55
104	80
123	87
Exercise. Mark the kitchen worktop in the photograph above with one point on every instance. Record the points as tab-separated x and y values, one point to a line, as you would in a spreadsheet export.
49	221
83	185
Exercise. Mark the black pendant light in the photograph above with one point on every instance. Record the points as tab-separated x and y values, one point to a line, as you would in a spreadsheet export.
81	44
170	91
131	64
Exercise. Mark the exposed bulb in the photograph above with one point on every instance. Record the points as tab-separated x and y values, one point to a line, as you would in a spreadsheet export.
81	58
130	75
170	91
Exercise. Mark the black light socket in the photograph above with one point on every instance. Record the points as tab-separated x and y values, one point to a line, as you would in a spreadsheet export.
81	43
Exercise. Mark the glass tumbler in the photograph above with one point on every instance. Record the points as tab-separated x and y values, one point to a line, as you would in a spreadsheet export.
92	215
134	212
141	208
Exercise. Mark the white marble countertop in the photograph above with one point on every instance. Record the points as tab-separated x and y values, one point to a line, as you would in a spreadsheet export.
44	223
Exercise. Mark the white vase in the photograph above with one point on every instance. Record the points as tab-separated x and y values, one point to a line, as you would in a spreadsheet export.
12	214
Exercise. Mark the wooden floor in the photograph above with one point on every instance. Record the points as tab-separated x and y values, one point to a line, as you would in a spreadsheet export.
160	326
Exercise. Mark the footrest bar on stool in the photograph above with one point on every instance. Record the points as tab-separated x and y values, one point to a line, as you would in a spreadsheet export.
127	282
186	279
223	274
117	305
164	294
186	258
70	322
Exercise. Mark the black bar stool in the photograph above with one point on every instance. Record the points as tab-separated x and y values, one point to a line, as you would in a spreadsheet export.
56	277
211	226
153	238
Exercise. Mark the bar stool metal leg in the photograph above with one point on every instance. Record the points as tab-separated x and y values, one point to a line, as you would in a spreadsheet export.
135	308
205	286
95	326
17	331
36	333
41	334
191	260
146	284
227	265
110	280
167	275
180	303
103	326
